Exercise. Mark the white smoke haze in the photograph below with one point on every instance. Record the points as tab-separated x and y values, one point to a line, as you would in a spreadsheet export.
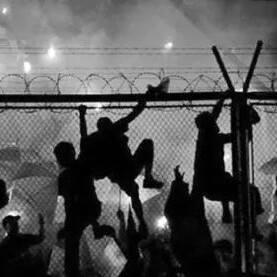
135	23
72	23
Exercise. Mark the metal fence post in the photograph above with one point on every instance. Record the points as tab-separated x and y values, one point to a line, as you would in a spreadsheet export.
243	226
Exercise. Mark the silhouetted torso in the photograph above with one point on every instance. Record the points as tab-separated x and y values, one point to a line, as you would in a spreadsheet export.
13	246
209	157
79	192
15	259
106	152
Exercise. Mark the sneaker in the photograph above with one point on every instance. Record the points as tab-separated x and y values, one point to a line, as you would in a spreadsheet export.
151	183
104	230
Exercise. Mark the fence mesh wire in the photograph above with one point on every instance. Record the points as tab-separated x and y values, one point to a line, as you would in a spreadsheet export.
173	131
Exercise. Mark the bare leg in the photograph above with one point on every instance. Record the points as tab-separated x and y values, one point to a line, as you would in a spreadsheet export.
143	158
137	205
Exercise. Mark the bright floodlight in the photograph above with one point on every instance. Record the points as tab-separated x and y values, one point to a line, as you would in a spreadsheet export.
227	157
98	107
27	67
4	10
14	213
51	52
168	45
162	222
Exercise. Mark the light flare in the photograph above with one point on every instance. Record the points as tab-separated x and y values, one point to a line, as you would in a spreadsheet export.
169	45
27	67
4	10
98	107
162	222
51	52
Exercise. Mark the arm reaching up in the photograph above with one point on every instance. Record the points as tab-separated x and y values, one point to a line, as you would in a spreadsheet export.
217	108
123	123
83	123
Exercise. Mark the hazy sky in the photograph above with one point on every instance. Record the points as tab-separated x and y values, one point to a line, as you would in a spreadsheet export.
141	22
31	19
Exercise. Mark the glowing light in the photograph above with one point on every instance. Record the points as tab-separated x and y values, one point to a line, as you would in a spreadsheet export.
98	107
227	157
51	52
162	222
27	67
4	10
238	88
60	200
168	45
14	213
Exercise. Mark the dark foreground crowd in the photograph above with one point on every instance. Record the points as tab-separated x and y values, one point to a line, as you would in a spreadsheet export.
188	251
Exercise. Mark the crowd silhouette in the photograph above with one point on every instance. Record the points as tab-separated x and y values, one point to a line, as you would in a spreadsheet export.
14	258
189	251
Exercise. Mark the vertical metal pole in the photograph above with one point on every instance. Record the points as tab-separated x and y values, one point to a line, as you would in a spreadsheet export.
241	173
235	120
246	197
248	220
235	130
240	153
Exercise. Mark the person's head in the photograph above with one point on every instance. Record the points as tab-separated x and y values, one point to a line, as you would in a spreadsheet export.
65	153
206	121
10	224
104	124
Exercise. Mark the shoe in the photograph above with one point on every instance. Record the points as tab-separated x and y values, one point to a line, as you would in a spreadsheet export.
161	89
104	230
151	183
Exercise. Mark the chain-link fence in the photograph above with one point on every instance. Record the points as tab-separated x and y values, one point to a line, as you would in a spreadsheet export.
28	166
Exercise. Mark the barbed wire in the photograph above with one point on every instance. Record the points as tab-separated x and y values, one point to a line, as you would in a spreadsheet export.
124	83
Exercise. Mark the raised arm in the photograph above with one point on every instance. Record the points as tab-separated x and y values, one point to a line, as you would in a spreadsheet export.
217	108
83	123
122	123
31	239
